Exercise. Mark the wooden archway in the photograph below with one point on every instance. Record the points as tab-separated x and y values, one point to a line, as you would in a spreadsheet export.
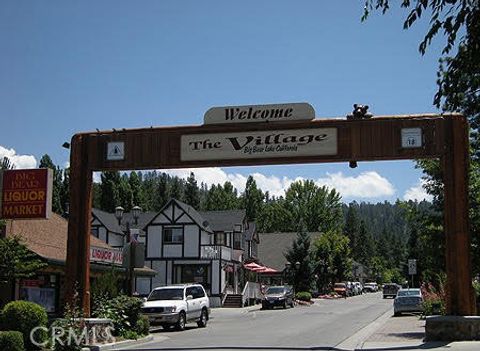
380	138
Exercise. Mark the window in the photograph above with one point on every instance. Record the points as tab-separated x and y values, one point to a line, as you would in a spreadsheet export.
220	239
198	292
238	242
173	235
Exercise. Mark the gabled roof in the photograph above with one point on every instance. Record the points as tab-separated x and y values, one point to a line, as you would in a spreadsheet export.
111	223
224	221
47	237
108	220
273	246
188	210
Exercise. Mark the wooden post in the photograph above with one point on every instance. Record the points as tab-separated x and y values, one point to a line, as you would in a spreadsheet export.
460	294
78	244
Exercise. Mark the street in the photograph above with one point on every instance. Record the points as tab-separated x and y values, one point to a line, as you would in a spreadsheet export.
325	324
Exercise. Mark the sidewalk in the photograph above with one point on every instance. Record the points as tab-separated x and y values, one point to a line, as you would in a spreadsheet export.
407	333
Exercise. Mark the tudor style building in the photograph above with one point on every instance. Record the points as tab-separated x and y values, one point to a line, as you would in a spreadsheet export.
185	245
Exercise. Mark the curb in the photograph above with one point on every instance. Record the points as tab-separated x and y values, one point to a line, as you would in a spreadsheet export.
356	341
124	343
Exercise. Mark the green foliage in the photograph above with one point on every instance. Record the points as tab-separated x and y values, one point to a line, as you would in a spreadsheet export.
304	296
72	325
222	198
107	285
434	299
130	334
57	192
109	193
143	325
11	341
317	208
300	252
23	316
192	192
252	199
124	311
332	258
16	261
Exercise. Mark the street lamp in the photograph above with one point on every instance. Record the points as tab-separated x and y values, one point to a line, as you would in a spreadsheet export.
119	211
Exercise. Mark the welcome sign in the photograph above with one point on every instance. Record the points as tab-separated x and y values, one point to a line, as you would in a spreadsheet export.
297	111
259	144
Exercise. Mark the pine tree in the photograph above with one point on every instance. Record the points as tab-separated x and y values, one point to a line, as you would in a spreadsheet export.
176	189
109	193
138	196
46	162
252	199
162	194
352	225
300	252
192	193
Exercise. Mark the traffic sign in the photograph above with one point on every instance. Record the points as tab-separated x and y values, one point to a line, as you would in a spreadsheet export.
412	267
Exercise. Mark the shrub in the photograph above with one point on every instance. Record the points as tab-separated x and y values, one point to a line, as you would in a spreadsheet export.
11	341
304	296
433	299
23	316
70	322
130	334
124	311
143	325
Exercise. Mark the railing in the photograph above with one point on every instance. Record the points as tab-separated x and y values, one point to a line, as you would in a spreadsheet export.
251	291
210	252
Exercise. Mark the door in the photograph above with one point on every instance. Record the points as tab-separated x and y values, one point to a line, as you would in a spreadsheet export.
193	305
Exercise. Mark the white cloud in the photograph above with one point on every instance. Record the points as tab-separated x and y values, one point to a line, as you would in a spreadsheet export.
417	193
19	161
366	185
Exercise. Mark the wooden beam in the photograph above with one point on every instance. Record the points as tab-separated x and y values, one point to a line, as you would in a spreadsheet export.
460	294
78	245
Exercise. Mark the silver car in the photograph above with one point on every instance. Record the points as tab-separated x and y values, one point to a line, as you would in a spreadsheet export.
408	300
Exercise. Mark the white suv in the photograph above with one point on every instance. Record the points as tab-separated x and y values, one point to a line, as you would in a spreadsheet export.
175	305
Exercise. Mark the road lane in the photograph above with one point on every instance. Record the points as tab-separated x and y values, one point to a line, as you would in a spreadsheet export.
324	324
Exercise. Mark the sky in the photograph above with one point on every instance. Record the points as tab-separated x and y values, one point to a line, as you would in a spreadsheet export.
74	66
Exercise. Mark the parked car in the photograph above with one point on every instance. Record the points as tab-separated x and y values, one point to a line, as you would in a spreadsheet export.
370	287
341	289
408	300
358	288
390	290
177	305
278	296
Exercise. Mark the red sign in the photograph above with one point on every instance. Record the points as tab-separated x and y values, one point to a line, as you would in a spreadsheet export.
26	193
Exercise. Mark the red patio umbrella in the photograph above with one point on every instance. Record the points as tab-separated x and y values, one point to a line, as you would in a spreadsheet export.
252	266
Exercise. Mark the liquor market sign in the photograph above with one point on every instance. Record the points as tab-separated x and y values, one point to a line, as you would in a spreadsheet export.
259	144
259	113
105	255
26	193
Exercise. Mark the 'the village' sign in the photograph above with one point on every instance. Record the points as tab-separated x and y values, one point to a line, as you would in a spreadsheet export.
259	113
26	193
259	144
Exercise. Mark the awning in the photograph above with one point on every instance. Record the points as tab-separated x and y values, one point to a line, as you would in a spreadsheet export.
254	267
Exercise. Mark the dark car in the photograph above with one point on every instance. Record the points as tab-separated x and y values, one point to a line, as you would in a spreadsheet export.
278	296
390	290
